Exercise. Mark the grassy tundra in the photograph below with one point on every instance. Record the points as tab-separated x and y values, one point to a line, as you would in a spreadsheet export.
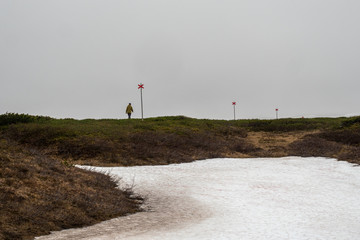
41	191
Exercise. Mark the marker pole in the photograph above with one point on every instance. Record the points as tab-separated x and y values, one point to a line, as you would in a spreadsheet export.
234	113
141	87
234	104
142	108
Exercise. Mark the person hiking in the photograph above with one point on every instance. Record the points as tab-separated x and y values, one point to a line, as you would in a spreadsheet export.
129	110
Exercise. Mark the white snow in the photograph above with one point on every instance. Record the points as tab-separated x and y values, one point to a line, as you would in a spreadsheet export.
268	198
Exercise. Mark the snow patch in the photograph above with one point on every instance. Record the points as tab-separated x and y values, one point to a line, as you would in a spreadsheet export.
265	198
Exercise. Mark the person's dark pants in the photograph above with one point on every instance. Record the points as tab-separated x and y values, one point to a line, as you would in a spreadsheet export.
129	115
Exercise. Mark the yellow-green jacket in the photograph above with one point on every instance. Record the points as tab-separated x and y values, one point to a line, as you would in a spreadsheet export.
129	109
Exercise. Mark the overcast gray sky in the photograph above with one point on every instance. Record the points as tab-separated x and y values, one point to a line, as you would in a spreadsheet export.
84	58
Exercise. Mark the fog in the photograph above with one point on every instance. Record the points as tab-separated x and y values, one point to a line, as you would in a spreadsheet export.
84	59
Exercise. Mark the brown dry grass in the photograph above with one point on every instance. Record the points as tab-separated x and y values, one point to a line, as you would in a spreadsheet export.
151	147
340	144
39	194
275	144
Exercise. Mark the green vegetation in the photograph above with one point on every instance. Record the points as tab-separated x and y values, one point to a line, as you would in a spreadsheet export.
293	124
12	118
353	122
161	140
37	154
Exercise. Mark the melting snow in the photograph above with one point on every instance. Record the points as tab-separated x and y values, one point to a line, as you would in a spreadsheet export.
268	198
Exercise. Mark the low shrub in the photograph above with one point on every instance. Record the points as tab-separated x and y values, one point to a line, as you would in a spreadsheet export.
243	146
37	135
12	118
38	194
351	154
312	145
232	131
347	136
291	124
84	147
351	122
